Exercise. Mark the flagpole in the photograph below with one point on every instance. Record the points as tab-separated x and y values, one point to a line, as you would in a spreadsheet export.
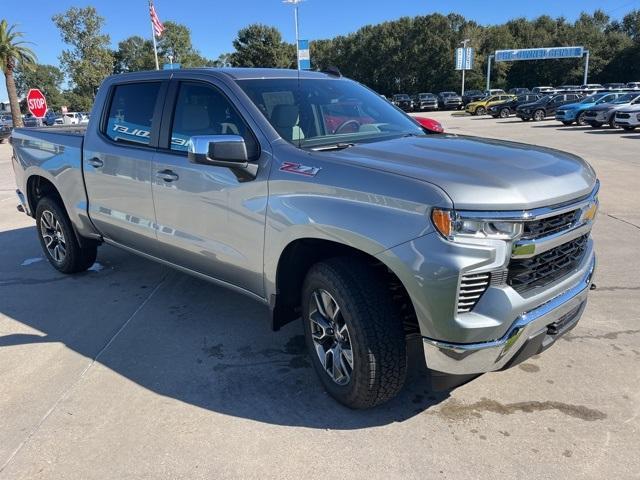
153	37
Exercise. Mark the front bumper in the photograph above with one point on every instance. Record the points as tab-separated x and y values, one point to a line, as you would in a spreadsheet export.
566	115
531	333
457	104
632	121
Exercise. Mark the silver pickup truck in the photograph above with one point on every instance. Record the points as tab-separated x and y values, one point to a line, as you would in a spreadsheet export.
315	196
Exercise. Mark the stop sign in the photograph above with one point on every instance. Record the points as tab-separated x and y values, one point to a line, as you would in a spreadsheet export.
37	103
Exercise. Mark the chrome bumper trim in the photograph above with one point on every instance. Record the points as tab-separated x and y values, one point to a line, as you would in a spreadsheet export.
536	246
473	358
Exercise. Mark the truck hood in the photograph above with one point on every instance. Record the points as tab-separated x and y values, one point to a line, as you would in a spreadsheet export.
480	173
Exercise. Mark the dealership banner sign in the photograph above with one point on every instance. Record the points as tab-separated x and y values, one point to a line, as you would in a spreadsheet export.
464	58
538	54
304	59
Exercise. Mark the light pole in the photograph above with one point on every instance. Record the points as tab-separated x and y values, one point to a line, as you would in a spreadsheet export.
489	71
464	58
295	16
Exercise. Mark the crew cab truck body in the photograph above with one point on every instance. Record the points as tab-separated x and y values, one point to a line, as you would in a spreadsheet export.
370	231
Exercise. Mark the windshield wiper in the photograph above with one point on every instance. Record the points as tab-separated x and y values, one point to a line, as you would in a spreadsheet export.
334	146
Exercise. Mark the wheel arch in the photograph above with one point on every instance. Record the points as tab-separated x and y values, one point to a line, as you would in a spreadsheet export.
301	254
38	186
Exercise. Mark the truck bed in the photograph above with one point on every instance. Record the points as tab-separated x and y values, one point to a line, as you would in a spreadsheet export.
53	154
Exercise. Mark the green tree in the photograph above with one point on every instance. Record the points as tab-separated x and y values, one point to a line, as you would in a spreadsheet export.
134	54
261	46
13	53
89	60
176	42
47	78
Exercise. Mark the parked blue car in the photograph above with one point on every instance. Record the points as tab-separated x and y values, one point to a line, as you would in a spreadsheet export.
575	112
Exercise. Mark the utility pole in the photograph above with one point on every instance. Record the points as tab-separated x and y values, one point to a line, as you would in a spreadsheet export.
464	58
295	17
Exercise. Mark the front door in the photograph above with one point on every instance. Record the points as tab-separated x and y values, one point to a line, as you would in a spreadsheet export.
210	220
118	164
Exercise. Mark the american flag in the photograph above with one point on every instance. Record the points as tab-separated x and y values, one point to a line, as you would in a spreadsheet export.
158	27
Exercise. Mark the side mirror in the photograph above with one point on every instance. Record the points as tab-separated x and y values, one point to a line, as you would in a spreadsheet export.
221	151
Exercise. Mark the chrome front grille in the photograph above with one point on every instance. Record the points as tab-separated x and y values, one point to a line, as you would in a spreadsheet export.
550	225
472	286
540	270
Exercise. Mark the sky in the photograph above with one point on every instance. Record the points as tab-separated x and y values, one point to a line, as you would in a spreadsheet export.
214	23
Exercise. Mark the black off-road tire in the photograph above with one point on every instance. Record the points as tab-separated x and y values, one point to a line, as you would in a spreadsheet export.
375	329
596	125
76	258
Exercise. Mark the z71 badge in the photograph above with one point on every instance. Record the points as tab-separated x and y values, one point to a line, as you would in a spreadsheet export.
300	169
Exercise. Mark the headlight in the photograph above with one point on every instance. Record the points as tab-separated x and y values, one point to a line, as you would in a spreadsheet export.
454	226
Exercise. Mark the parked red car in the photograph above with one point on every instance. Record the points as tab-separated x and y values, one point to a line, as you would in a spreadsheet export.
433	126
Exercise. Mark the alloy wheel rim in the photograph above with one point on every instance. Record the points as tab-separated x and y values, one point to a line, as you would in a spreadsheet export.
539	115
330	335
504	113
53	237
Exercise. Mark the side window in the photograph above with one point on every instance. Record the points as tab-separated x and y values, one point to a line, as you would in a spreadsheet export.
131	112
204	110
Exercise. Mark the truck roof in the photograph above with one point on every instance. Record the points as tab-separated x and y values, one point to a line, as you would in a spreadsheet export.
235	73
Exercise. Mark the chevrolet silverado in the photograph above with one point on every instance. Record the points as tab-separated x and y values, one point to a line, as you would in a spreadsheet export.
369	232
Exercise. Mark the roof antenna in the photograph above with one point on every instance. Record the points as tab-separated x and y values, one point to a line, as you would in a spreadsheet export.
332	70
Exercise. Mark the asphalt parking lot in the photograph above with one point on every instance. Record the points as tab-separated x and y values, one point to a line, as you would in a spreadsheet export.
132	370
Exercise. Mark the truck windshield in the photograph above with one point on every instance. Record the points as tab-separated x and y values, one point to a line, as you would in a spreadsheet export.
315	112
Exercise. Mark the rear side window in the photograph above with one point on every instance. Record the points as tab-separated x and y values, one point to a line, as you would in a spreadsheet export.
130	117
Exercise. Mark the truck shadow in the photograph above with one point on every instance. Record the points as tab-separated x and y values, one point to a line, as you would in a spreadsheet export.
185	339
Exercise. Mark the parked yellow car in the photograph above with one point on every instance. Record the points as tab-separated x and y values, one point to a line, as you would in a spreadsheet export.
480	107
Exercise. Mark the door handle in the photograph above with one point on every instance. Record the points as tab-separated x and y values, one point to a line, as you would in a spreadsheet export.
95	162
167	175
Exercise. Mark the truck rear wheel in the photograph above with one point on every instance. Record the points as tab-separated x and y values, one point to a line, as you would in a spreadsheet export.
58	239
353	332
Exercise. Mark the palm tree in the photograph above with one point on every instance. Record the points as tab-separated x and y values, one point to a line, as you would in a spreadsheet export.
12	52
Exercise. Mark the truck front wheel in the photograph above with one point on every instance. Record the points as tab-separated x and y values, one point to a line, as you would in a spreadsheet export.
58	239
353	332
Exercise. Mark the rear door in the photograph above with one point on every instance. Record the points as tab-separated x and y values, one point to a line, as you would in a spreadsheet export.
210	220
117	162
